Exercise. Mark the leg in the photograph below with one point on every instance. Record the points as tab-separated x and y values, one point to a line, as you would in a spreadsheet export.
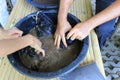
105	30
88	72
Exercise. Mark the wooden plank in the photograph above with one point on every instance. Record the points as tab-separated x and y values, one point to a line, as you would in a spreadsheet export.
8	71
1	61
97	54
12	74
3	69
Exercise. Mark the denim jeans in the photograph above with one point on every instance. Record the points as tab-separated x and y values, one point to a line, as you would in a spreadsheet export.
88	72
104	30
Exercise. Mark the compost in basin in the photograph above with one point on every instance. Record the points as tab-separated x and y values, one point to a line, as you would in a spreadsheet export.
47	2
54	59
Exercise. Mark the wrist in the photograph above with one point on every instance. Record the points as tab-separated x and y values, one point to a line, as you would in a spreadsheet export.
29	39
62	17
86	25
89	24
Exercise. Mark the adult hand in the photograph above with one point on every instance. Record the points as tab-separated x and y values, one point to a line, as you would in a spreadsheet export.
37	45
11	33
80	31
62	27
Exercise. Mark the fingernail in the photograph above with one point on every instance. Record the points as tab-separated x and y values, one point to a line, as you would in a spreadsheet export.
72	39
67	38
43	54
66	46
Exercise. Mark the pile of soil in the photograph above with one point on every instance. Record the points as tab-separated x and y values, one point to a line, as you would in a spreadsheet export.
49	2
54	59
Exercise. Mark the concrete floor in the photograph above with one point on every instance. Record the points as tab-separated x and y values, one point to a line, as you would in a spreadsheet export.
111	52
111	55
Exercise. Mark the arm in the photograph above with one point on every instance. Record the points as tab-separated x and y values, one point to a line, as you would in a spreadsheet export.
82	29
8	46
10	33
63	25
109	13
64	8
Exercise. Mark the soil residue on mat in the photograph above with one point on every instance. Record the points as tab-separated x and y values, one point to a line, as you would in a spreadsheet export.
49	2
55	59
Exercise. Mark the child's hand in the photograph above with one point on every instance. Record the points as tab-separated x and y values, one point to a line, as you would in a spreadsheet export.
37	45
80	31
62	28
11	33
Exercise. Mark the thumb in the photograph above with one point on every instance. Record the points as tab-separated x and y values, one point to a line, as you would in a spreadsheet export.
43	52
40	51
15	35
18	32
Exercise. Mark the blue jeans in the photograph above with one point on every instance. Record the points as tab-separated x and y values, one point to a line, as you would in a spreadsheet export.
88	72
104	30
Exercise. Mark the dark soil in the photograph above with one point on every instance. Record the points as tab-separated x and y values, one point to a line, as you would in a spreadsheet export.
55	59
47	1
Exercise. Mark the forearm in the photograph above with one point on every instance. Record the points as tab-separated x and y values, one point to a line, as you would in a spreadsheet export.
63	9
109	13
8	46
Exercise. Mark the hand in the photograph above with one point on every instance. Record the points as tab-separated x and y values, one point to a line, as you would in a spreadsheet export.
36	44
80	31
11	33
62	28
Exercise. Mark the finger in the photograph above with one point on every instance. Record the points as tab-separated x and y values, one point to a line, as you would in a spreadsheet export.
73	36
70	34
58	42
19	32
79	38
55	42
36	50
64	41
16	30
43	52
54	35
15	35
